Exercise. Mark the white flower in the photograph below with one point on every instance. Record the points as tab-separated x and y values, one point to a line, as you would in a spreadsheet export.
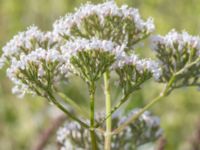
41	71
151	66
63	25
126	60
49	40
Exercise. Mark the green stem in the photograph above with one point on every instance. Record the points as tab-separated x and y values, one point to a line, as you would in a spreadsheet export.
135	117
121	102
52	98
187	66
155	100
73	104
108	134
92	116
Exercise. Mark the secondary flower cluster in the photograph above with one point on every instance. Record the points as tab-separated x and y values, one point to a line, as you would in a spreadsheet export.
133	72
179	55
26	42
146	129
35	72
106	21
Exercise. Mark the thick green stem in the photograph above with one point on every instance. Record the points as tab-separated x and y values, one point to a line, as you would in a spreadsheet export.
92	116
108	134
93	139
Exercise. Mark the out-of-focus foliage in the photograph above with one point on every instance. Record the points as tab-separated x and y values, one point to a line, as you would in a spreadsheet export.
22	120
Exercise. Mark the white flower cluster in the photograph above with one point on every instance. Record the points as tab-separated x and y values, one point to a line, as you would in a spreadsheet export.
92	57
68	130
176	42
149	127
151	66
22	42
175	51
71	48
73	132
150	120
25	42
86	56
38	63
141	65
63	25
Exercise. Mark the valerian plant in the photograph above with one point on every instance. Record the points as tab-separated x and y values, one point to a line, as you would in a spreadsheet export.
99	41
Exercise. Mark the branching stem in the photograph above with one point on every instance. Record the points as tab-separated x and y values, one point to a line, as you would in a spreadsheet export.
53	100
72	103
118	105
164	93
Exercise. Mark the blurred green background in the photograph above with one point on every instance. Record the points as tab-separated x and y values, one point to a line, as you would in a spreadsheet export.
21	120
